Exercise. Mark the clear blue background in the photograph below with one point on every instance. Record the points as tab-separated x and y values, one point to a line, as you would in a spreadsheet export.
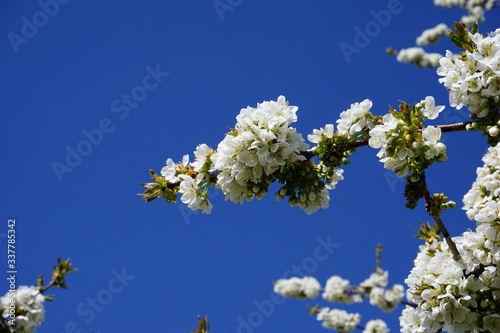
180	264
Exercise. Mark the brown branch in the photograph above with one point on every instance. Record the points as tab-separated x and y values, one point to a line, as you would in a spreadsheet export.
356	144
413	305
44	289
439	222
454	127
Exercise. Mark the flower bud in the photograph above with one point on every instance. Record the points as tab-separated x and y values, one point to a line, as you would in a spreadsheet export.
493	131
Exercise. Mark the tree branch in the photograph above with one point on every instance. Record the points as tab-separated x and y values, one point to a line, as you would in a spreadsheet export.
356	144
439	222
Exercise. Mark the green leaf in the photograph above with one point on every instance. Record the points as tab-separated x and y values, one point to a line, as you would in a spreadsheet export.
456	40
461	30
475	28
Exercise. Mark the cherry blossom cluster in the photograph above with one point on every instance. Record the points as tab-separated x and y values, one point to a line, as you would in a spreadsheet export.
406	147
473	80
261	149
461	296
455	296
25	304
417	55
339	320
264	148
482	201
339	290
355	120
431	36
261	145
301	288
476	10
333	147
376	326
192	179
344	322
330	160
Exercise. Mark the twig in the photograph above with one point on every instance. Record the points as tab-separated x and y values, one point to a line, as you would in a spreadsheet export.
439	222
356	144
413	305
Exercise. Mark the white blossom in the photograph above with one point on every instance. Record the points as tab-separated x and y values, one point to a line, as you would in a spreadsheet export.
376	326
431	36
379	278
307	287
320	134
192	194
482	201
449	3
418	56
201	154
448	293
339	320
261	144
355	119
474	80
171	171
29	308
430	110
337	290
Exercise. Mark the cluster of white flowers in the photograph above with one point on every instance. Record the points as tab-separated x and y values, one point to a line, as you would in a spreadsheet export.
455	296
449	3
306	287
461	296
355	119
474	79
403	156
376	326
475	8
431	36
323	134
482	201
339	290
29	310
374	286
336	173
338	320
350	126
387	300
192	182
418	56
261	149
261	144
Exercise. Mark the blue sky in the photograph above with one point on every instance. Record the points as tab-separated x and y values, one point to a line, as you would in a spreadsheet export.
128	84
